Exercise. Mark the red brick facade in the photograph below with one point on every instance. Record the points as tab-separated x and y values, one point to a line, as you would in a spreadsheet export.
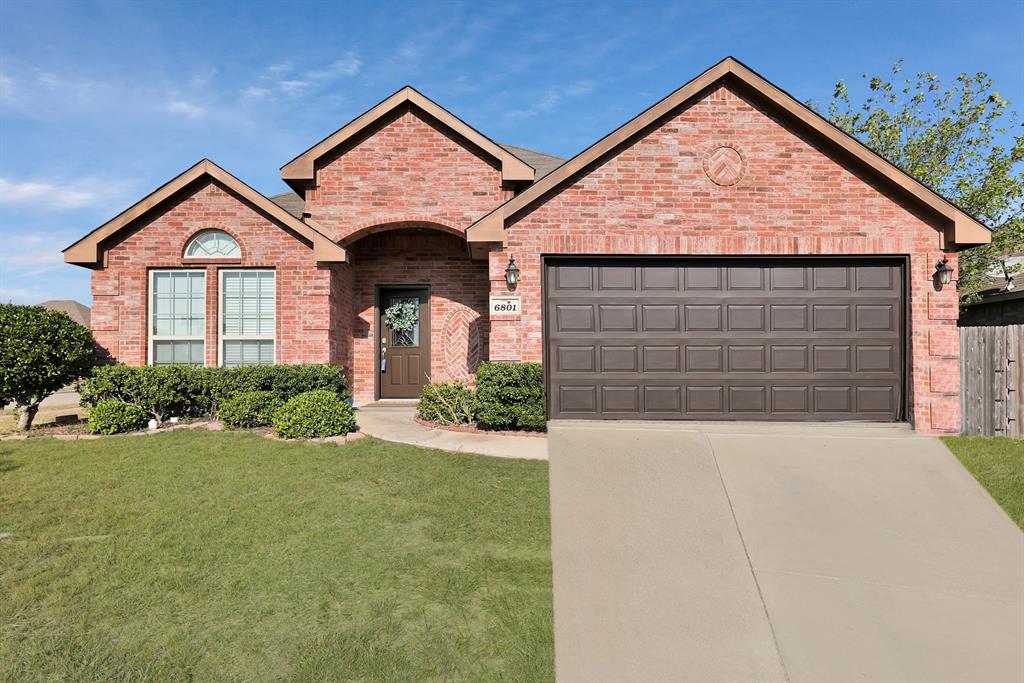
305	315
400	198
654	197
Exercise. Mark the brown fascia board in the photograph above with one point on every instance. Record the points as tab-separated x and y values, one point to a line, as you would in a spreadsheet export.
963	230
88	252
302	169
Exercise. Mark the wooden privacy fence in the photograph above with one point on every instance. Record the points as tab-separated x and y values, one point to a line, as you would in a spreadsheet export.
991	381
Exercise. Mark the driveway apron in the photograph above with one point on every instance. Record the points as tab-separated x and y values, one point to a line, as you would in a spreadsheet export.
743	552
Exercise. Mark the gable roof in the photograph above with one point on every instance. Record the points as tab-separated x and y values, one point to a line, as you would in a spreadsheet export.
962	229
302	169
80	313
88	252
542	163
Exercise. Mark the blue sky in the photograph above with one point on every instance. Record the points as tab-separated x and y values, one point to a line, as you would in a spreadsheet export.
101	102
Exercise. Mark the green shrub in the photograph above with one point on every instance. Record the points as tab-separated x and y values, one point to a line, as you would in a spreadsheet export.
163	391
510	396
41	352
189	391
249	409
113	416
447	404
314	414
285	381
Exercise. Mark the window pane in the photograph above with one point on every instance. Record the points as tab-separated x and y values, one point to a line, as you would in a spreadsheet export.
248	303
213	244
248	352
178	352
179	303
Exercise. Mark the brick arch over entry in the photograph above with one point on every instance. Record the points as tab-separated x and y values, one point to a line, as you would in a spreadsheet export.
403	223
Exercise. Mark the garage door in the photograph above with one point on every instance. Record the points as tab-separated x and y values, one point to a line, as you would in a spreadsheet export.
743	339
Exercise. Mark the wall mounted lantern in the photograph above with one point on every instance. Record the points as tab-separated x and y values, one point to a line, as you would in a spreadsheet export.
944	272
512	273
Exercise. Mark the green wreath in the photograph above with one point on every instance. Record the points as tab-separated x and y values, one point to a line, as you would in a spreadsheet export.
402	316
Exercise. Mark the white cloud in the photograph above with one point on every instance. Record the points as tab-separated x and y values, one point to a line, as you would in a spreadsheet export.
61	195
19	295
348	66
253	92
184	108
550	98
292	87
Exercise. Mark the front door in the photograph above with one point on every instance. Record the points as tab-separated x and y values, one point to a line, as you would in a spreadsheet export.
404	350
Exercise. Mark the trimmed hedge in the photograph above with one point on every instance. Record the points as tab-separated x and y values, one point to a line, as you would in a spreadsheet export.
249	409
314	414
189	391
113	416
447	404
510	396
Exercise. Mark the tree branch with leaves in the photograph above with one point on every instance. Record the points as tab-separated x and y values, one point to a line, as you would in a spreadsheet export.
962	140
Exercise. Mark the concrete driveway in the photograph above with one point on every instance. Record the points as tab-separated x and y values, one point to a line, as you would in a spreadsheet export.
742	552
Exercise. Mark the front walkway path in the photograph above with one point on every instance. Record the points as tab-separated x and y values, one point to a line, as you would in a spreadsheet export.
397	424
743	552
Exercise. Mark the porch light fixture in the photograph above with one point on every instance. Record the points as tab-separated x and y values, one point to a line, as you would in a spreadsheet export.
512	273
944	272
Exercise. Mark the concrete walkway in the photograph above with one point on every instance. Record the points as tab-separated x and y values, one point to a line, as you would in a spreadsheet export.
743	552
397	424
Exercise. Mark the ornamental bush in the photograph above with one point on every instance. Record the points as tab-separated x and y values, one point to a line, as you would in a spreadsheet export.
41	352
249	409
510	396
314	414
189	391
447	404
285	381
113	416
162	391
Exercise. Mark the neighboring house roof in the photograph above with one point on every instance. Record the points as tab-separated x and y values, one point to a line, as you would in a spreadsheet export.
302	169
541	162
80	313
88	252
998	291
962	229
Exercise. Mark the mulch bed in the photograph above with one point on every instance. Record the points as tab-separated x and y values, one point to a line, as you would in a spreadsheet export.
472	429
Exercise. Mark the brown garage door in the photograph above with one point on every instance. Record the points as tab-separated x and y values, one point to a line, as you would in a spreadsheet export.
724	339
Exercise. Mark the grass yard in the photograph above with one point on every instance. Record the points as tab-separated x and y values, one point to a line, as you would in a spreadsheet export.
226	556
998	464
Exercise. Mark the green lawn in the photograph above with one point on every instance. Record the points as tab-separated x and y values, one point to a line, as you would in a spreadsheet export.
998	463
206	556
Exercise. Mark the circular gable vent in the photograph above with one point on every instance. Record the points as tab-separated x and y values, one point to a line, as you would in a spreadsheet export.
724	165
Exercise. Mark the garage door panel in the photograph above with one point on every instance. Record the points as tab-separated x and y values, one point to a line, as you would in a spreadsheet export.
765	339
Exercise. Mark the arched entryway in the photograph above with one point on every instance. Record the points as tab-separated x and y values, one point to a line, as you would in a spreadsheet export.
425	265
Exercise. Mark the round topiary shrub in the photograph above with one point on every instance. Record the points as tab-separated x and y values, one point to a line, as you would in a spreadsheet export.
114	416
248	409
314	414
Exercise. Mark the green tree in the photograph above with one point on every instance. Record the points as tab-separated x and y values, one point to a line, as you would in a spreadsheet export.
960	139
41	352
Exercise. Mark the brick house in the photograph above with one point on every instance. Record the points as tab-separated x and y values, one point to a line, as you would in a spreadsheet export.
727	254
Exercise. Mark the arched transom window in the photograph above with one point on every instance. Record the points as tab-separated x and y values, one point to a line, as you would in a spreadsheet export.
212	244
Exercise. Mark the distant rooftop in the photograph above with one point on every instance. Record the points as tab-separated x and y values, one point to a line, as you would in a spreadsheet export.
80	313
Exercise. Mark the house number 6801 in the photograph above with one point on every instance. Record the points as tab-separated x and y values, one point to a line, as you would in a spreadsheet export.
505	305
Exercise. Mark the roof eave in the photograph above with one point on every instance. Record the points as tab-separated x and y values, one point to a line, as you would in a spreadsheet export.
963	230
301	170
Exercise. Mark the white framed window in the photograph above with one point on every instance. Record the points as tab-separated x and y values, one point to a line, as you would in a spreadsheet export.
213	244
248	317
177	317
